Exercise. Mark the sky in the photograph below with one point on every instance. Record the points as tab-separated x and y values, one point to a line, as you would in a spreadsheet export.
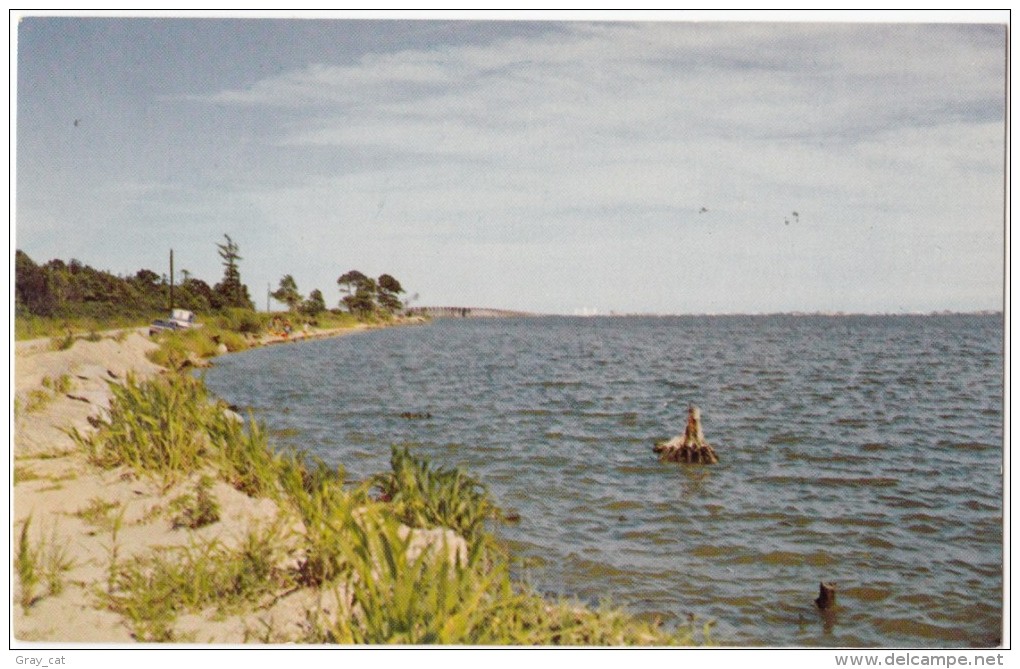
547	166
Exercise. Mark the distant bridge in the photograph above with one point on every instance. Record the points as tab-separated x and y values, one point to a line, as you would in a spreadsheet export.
466	312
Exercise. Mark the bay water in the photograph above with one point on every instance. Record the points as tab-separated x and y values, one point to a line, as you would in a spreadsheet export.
861	450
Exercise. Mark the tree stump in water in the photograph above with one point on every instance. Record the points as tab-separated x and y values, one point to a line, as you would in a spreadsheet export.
691	447
826	596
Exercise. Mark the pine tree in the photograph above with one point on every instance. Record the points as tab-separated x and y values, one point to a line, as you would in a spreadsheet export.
230	292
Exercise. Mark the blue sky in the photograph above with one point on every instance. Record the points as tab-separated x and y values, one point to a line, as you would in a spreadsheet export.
543	166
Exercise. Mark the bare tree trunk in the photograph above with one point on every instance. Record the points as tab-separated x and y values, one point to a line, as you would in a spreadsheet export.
691	447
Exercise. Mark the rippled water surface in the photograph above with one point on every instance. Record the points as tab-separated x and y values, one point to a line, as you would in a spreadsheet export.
861	450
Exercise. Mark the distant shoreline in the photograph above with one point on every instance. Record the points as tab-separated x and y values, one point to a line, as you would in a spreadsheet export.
504	314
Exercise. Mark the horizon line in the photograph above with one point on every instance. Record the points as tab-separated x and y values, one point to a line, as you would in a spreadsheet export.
794	312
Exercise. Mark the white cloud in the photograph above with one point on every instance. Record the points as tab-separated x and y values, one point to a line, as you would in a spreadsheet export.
893	127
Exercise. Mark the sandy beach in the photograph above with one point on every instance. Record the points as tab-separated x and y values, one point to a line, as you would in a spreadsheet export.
84	517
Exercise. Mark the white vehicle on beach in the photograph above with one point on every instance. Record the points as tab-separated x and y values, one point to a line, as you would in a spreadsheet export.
180	319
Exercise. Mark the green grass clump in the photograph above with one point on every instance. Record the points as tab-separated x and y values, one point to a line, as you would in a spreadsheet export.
178	349
232	340
426	496
537	622
399	597
61	384
37	400
434	595
333	320
169	428
26	564
150	592
97	513
196	509
63	342
326	512
244	457
24	473
42	563
153	427
30	326
431	596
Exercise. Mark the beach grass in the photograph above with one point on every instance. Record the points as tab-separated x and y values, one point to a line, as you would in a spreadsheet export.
399	595
426	496
403	596
97	513
39	563
244	457
60	384
37	400
326	511
23	473
197	508
68	329
153	427
180	349
28	567
152	591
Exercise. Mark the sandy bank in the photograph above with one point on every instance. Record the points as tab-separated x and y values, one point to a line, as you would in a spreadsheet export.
74	506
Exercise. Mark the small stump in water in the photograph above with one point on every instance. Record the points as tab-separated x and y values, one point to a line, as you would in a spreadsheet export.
691	447
826	596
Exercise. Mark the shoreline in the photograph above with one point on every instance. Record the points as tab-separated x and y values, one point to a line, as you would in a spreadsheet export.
329	333
61	496
180	525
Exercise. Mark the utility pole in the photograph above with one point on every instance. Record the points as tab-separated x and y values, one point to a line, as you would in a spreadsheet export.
268	294
171	280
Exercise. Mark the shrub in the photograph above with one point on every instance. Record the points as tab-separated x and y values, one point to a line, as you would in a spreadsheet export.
244	321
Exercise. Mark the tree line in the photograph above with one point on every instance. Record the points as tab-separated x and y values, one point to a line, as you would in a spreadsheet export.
66	289
362	295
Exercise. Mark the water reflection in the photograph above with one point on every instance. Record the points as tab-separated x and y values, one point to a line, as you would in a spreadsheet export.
828	618
693	481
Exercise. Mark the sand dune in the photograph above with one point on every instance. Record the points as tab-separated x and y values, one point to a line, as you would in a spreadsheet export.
72	506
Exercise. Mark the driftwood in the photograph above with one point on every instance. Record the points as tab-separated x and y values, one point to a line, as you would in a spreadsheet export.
690	447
